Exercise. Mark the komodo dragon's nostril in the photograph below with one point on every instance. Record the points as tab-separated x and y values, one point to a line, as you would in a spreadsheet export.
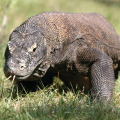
22	66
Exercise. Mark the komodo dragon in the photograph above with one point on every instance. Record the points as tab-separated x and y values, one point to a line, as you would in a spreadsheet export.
83	48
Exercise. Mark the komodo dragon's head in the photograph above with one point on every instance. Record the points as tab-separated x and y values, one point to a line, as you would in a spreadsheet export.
25	56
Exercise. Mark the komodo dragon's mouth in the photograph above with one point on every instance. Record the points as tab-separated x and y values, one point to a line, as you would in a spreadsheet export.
18	77
22	77
38	71
29	77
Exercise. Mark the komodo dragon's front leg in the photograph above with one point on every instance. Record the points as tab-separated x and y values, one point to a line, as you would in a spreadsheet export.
100	72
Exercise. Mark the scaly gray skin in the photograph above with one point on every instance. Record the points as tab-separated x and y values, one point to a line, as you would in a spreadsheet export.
82	48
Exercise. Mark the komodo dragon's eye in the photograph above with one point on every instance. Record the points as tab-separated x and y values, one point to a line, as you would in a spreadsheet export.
32	48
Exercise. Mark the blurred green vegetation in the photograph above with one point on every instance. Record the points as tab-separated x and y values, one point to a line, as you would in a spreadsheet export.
18	11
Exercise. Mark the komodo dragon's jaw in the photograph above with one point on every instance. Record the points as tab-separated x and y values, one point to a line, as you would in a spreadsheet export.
38	70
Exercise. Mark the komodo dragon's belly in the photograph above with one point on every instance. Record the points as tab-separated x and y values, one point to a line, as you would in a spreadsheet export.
76	81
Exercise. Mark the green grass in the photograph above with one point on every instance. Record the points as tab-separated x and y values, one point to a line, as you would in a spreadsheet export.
50	104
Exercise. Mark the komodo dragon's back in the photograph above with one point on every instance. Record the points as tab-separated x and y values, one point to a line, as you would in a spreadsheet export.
77	45
92	28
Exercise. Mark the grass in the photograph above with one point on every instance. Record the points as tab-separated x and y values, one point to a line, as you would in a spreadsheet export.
49	103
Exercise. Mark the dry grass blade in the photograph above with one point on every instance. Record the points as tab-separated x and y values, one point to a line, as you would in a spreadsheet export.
13	79
8	78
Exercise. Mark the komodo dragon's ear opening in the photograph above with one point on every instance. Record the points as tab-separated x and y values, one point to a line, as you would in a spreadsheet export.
10	47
